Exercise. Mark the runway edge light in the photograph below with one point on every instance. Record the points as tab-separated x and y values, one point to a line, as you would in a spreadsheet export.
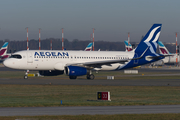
103	96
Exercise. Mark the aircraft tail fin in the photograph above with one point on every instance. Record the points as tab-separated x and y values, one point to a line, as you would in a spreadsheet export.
3	49
150	40
89	47
128	46
162	49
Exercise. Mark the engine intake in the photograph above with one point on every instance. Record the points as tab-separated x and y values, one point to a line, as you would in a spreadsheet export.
75	71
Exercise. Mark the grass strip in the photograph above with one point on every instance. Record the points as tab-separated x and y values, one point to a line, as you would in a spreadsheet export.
99	117
84	95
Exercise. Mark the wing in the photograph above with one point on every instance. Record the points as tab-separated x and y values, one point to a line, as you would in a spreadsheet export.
95	64
98	63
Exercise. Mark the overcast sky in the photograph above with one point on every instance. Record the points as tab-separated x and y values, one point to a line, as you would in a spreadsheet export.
112	19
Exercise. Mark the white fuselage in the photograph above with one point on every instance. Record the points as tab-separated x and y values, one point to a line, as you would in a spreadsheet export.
57	59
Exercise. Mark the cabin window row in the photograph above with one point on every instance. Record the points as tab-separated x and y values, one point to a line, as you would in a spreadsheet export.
100	57
83	57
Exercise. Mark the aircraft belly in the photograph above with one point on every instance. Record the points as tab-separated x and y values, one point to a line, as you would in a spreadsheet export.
43	66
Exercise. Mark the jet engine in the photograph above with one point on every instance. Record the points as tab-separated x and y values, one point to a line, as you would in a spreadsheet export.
75	71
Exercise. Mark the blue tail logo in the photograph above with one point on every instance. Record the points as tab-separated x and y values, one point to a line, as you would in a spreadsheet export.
150	40
146	50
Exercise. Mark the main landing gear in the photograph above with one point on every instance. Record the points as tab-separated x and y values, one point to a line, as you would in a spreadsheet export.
89	76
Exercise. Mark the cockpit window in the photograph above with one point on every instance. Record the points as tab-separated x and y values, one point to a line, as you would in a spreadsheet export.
16	56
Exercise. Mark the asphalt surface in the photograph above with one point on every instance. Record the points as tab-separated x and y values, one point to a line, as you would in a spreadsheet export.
107	82
92	110
89	110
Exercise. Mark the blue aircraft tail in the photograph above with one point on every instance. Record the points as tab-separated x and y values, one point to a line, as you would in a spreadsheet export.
146	50
149	41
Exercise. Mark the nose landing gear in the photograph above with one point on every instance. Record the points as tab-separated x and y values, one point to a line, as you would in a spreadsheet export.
90	76
26	74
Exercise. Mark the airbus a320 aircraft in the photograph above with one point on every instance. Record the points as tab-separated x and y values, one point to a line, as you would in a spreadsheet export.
78	63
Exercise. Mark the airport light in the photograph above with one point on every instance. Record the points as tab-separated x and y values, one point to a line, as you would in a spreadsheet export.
51	45
93	39
62	39
176	51
128	41
39	38
27	38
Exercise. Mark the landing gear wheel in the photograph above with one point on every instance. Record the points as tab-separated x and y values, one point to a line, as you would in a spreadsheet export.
90	77
72	77
25	77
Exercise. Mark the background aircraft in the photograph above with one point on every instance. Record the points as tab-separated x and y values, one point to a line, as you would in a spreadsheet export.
89	47
3	52
163	50
128	46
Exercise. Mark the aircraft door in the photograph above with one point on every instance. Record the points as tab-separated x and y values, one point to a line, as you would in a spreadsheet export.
29	57
136	61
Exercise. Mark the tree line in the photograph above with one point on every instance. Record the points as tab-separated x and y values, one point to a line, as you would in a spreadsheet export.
71	45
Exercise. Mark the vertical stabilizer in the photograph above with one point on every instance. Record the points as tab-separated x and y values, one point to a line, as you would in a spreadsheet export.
128	46
162	49
146	50
89	47
150	40
3	49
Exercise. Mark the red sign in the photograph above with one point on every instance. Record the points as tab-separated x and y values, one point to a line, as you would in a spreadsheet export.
103	96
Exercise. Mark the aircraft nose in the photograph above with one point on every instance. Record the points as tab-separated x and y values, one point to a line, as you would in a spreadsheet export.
7	63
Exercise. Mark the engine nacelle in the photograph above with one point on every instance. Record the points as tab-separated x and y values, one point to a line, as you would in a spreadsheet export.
75	71
51	73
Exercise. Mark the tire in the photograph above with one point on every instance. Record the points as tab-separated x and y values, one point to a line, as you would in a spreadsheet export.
72	77
25	77
91	77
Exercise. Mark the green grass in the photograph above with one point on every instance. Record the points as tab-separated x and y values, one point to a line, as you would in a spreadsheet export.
100	117
77	95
